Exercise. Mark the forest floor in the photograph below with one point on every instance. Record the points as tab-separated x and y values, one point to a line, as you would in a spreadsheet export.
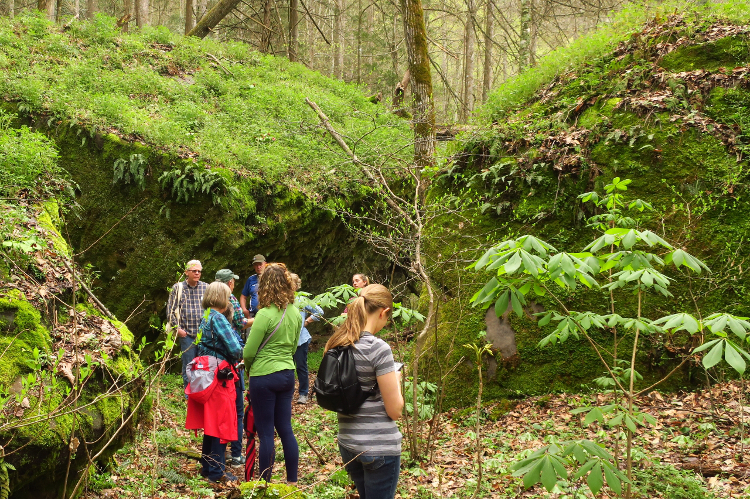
697	449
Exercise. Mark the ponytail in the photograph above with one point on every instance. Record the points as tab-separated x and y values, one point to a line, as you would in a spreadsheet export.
370	300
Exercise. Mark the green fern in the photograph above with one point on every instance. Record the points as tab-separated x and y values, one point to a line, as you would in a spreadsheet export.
5	479
131	170
194	181
171	476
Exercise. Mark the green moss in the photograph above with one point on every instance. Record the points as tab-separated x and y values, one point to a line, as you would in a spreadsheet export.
21	331
728	52
49	219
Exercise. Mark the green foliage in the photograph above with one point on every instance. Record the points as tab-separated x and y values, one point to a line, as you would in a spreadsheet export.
27	159
667	481
162	90
131	170
588	49
5	479
194	181
261	489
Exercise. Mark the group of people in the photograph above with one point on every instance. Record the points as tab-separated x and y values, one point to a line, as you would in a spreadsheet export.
264	335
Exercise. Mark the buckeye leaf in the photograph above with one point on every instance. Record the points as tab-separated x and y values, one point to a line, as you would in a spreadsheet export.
714	356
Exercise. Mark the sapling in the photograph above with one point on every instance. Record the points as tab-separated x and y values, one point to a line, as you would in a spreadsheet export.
625	257
479	351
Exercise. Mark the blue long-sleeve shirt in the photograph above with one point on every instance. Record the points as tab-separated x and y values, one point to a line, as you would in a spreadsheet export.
309	310
218	338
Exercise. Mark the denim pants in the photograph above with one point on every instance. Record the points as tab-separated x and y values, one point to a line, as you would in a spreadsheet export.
300	361
189	352
271	397
376	477
212	457
236	445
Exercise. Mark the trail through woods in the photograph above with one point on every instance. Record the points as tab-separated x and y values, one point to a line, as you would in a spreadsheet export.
696	432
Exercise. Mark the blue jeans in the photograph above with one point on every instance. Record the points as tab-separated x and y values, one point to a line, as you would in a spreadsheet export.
376	477
271	396
236	445
189	352
212	457
300	361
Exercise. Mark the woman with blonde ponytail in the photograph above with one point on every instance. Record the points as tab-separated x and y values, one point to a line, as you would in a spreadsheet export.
369	440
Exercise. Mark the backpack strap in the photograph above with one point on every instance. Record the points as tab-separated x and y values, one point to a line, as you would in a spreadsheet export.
274	332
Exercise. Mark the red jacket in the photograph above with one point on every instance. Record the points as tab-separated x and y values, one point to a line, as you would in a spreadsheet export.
213	409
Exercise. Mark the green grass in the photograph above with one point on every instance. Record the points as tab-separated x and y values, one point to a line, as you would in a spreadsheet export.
587	49
246	112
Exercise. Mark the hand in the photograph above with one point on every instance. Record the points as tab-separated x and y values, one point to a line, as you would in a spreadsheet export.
309	321
181	333
246	312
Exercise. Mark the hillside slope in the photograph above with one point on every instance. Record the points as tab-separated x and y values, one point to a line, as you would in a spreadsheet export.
669	109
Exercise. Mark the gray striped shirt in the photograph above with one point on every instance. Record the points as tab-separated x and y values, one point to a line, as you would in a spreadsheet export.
370	429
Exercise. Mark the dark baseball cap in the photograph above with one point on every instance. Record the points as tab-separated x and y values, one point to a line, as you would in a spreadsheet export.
226	275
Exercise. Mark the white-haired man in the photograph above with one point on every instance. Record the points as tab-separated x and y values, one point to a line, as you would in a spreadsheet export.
184	311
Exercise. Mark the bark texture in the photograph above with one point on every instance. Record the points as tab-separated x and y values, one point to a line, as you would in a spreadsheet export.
469	49
141	13
92	6
524	43
189	19
293	30
338	38
488	27
415	37
213	17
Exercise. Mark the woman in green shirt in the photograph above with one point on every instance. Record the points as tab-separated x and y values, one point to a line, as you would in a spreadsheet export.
268	358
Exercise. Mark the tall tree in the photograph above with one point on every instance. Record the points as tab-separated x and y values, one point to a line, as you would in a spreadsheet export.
524	42
489	17
338	38
128	8
469	45
48	7
91	7
265	38
293	30
189	19
141	13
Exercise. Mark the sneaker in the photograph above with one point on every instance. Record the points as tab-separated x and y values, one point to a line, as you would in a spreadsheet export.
236	461
302	399
227	477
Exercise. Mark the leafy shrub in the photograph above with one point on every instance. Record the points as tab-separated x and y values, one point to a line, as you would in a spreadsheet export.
662	480
26	157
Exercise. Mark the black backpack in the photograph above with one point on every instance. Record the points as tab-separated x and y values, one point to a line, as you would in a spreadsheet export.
337	387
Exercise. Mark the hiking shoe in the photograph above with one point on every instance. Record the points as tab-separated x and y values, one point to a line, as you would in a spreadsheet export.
237	461
227	477
302	399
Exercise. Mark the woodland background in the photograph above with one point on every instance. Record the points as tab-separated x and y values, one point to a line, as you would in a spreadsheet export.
474	45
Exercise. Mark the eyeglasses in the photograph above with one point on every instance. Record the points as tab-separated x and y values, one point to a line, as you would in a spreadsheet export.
198	271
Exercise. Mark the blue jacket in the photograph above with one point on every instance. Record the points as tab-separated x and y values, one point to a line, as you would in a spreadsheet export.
251	291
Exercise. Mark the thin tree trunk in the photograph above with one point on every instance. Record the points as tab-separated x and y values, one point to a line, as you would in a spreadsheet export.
77	8
293	31
141	13
488	26
91	8
524	43
201	10
189	19
469	44
48	7
212	17
128	13
338	39
359	42
265	39
310	35
392	48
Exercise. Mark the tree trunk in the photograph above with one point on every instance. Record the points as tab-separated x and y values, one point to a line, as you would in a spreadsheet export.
128	7
141	13
392	47
415	38
201	10
48	7
310	36
338	39
524	43
12	8
189	19
469	44
212	17
488	26
359	42
91	8
265	39
293	31
399	93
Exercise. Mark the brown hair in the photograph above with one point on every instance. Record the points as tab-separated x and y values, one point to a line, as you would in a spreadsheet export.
364	278
275	287
216	296
370	300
